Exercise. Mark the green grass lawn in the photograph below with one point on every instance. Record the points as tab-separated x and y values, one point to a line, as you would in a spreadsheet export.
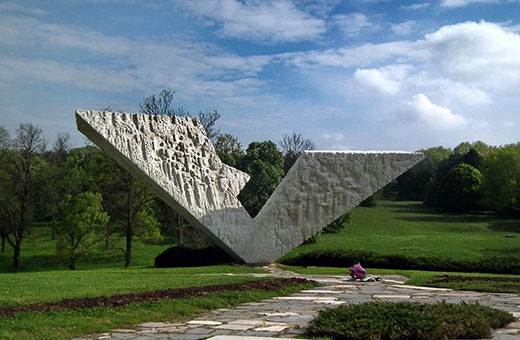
74	323
410	229
37	287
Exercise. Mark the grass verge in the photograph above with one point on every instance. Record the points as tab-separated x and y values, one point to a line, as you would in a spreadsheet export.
405	320
74	323
48	286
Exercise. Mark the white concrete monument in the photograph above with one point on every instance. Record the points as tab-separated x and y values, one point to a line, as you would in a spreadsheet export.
173	156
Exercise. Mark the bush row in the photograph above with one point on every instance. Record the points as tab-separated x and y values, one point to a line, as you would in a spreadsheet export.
179	256
340	258
406	320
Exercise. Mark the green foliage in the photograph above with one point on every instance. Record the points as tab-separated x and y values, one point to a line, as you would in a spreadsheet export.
459	189
179	256
229	149
412	184
501	185
83	222
264	163
406	320
339	224
313	239
370	201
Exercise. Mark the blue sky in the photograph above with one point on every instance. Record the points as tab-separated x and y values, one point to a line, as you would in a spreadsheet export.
351	75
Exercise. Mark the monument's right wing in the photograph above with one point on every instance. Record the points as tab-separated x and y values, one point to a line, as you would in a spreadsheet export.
320	187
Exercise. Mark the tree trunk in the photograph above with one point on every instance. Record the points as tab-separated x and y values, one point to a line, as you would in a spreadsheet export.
16	256
128	253
180	230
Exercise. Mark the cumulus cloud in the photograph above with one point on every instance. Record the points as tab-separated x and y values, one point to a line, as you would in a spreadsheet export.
270	21
483	53
434	116
386	80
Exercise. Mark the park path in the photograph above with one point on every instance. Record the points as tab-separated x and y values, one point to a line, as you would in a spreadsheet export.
289	316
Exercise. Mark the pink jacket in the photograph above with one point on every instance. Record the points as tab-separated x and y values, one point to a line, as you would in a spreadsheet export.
357	271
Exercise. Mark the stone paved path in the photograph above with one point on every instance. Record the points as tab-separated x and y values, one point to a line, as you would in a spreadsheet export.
289	316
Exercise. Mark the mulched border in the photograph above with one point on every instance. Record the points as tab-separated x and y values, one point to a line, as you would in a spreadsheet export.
157	295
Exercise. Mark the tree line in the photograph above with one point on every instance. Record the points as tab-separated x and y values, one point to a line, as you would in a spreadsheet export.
87	198
471	177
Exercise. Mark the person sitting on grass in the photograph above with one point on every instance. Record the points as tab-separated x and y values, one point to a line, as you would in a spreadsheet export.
357	271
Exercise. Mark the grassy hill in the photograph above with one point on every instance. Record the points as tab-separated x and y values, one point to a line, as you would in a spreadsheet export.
411	230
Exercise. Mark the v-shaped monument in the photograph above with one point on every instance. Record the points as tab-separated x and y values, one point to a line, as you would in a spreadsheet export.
174	157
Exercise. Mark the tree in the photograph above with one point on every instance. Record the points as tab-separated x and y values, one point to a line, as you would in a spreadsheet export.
55	187
460	189
229	150
411	185
20	178
501	187
470	157
208	120
129	202
4	144
264	163
5	139
82	225
292	147
161	104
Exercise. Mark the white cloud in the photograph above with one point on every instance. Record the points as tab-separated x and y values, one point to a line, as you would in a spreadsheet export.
353	24
118	64
462	3
403	28
17	8
416	7
386	80
482	53
433	116
269	21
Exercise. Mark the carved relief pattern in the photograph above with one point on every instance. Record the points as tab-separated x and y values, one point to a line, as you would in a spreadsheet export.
174	156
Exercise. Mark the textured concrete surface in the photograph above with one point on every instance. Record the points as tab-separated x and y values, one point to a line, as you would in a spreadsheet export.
173	156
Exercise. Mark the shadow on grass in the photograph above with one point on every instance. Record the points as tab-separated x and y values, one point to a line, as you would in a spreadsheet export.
507	226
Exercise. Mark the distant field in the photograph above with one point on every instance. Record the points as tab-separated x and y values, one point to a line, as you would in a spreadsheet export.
410	229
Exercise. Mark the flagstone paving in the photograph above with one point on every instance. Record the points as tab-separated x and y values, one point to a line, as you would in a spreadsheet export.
288	317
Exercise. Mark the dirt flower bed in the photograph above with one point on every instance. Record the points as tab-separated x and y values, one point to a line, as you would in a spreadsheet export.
125	299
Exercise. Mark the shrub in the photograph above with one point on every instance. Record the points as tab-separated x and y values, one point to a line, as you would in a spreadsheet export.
187	257
339	224
388	320
340	258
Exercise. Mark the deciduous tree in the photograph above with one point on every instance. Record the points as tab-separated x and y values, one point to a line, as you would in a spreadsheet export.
264	163
20	178
292	147
501	187
82	226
